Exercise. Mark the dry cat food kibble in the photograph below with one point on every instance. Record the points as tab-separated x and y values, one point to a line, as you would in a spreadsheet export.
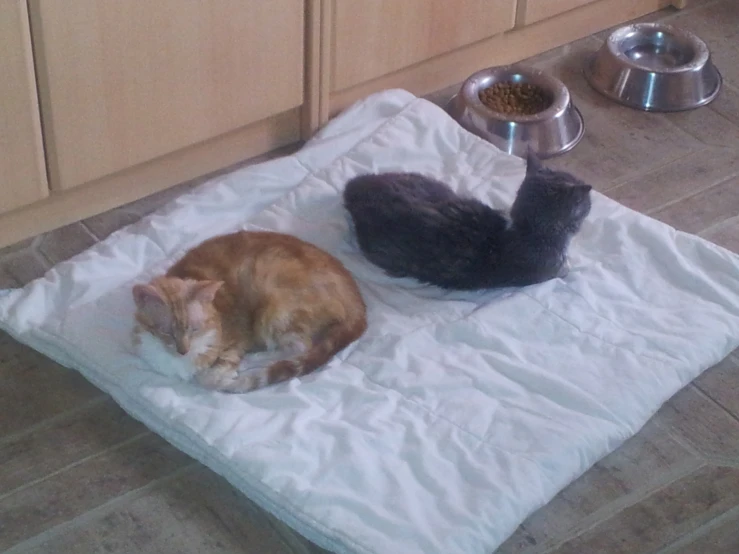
516	98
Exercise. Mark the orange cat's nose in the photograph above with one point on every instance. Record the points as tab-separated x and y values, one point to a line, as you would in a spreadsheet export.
182	348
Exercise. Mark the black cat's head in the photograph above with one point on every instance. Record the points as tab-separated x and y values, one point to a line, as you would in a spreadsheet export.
550	200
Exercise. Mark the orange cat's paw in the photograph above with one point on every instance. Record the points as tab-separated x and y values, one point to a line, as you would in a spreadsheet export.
136	335
260	360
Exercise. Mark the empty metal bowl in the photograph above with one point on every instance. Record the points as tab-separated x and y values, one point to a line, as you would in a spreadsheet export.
552	131
654	67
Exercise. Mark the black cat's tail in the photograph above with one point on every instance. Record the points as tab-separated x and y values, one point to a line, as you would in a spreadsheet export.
375	206
362	191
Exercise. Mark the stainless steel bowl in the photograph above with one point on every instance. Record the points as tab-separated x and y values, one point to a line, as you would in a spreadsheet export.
552	131
654	67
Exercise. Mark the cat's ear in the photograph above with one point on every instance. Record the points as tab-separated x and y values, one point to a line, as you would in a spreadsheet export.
151	303
583	190
533	163
205	291
146	295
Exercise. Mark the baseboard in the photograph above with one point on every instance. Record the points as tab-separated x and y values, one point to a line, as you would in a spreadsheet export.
64	207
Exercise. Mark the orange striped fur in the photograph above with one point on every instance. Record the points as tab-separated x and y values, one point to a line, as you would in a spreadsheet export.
239	299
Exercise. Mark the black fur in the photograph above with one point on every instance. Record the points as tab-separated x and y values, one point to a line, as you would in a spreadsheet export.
414	226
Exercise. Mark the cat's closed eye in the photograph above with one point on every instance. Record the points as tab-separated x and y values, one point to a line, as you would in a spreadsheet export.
168	340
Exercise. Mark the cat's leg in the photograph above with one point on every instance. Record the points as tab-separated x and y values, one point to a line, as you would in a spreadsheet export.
136	332
222	372
564	269
286	346
351	237
258	360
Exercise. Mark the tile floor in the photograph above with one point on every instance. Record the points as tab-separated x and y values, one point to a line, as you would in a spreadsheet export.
79	476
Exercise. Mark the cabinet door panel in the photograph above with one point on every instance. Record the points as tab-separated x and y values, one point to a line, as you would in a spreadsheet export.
22	169
536	10
375	37
124	82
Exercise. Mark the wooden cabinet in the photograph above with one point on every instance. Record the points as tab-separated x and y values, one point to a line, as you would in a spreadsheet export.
135	96
124	82
22	171
531	11
374	38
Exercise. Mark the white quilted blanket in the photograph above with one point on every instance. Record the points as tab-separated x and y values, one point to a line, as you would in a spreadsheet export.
456	415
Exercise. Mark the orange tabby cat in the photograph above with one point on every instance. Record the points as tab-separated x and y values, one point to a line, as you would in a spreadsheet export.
279	304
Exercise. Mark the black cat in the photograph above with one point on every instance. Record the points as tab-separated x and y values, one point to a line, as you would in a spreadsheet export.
415	226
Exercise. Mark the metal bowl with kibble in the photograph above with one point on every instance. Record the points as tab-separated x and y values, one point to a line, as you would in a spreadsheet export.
518	108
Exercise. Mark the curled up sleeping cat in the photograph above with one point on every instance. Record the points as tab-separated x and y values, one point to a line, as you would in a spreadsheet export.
247	310
414	226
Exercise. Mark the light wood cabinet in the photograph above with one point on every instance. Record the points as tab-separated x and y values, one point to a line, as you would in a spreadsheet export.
531	11
22	171
103	102
123	82
374	38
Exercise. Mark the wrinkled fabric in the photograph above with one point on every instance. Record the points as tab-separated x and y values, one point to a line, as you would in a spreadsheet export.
457	414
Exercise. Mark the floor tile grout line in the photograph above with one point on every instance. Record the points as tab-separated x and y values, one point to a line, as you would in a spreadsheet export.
692	194
29	248
721	461
678	438
90	231
11	281
716	402
719	224
631	178
10	256
293	542
85	517
36	241
724	117
50	421
74	464
671	122
47	262
675	546
617	506
731	86
34	252
527	533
